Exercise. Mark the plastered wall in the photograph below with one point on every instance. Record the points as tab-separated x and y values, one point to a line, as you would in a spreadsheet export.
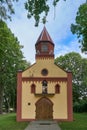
29	100
53	70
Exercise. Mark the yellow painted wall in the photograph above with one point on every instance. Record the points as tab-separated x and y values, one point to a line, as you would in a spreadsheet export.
59	101
28	111
53	70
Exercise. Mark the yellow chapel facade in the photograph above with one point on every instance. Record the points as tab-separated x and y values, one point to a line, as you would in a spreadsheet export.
44	90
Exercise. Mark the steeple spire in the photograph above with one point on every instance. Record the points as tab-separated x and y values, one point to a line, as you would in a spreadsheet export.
44	36
44	45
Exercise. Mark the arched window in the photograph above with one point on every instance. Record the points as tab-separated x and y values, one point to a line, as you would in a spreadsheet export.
33	88
44	87
57	88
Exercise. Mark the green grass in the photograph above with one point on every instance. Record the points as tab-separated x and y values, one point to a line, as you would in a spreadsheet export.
8	122
79	123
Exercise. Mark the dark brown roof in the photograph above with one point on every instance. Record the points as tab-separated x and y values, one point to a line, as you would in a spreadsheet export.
44	36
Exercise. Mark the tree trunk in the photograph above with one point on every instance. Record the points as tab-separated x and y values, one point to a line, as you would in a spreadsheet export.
1	99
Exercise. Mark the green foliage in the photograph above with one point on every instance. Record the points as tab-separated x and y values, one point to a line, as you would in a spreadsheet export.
78	66
80	28
37	7
6	9
8	122
11	60
80	106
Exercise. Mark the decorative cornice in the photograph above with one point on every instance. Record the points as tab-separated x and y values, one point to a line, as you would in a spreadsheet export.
39	79
45	56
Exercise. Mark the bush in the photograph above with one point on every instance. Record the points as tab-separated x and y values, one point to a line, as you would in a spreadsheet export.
80	106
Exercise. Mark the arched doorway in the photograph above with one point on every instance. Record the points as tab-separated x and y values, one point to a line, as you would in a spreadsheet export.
44	109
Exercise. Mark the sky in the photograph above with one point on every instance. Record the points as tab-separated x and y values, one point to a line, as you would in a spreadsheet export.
58	26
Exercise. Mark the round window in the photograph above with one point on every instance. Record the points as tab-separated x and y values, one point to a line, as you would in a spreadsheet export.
44	72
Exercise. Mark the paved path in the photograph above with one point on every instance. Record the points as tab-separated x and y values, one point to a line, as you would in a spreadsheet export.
43	125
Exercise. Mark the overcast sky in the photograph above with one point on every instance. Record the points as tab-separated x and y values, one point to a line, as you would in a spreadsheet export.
58	28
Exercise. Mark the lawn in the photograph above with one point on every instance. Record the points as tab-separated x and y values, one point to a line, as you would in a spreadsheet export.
79	123
8	122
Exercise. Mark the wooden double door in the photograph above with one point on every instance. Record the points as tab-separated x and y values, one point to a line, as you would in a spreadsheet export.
44	109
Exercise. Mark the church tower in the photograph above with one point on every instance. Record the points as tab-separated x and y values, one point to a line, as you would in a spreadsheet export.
44	45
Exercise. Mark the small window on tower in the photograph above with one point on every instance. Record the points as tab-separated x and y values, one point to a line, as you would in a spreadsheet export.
44	47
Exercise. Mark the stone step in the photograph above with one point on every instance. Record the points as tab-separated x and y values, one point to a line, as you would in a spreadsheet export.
43	125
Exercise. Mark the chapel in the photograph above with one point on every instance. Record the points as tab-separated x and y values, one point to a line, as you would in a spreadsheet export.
44	90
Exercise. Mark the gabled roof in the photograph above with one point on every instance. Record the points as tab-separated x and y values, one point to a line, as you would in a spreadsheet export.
44	36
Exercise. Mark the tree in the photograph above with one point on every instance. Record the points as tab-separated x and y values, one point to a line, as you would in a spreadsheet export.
11	60
78	66
80	27
37	7
6	9
9	97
